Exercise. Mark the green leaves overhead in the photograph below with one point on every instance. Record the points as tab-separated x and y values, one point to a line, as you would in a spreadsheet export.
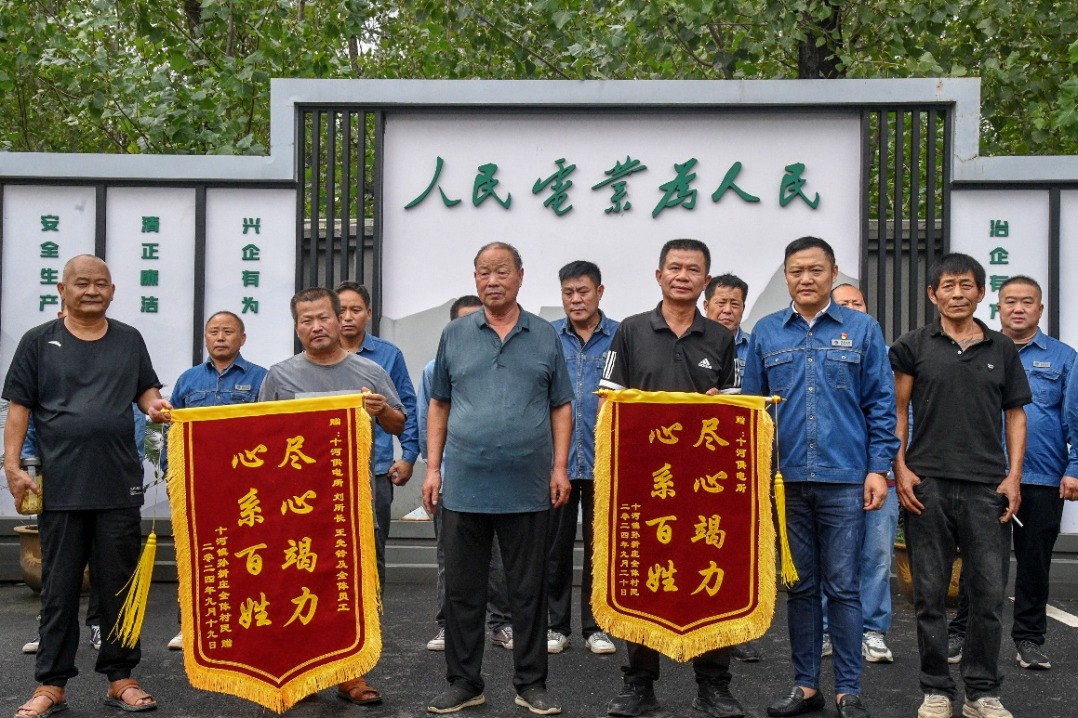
192	76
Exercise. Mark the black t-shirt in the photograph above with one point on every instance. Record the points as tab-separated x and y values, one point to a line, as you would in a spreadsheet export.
645	354
80	393
958	399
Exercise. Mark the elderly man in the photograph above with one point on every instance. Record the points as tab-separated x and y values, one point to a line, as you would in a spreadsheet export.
967	389
79	375
500	416
325	367
837	441
724	302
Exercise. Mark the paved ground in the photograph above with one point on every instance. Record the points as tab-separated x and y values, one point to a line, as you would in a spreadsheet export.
408	675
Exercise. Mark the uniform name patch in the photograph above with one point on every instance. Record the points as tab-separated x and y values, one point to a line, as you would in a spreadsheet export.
1042	365
842	342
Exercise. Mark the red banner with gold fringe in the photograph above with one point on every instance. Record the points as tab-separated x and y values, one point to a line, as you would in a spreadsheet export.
271	514
684	543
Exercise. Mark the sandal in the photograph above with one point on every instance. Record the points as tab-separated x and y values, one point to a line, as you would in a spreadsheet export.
115	696
358	692
53	694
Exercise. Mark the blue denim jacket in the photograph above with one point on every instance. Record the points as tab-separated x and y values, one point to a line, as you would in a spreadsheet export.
585	363
838	421
1048	363
389	357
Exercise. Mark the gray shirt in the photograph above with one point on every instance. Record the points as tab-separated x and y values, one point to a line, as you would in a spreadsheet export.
299	378
499	448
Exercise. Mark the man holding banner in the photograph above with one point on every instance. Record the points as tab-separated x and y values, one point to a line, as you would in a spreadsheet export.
674	348
836	435
323	368
500	416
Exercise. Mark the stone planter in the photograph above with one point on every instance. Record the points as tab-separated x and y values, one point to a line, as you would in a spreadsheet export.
905	579
30	559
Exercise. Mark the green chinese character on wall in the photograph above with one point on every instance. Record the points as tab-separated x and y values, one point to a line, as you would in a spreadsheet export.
251	253
793	186
148	278
997	281
559	184
999	255
151	224
148	305
49	275
434	181
150	249
677	190
50	223
250	304
50	250
728	184
617	177
254	223
45	300
999	228
250	278
484	185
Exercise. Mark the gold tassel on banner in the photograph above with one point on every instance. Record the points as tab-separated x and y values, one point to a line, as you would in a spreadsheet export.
788	569
129	623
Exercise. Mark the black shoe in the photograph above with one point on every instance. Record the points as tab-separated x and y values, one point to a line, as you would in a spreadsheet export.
538	701
747	652
795	704
455	698
715	699
1031	656
635	699
849	706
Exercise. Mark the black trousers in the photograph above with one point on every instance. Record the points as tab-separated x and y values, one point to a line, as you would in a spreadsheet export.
1041	511
110	541
523	540
560	562
644	665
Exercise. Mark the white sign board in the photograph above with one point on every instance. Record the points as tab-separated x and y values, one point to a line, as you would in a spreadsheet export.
1068	304
150	249
1007	232
251	266
610	188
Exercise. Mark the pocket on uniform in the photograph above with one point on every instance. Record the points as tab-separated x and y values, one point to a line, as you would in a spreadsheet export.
780	371
1047	386
840	365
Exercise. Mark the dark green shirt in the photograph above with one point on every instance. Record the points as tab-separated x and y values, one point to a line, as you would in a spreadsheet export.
499	449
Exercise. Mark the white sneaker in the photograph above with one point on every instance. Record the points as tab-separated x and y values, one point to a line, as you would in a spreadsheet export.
987	707
95	637
874	649
935	706
556	642
438	642
176	644
600	643
30	646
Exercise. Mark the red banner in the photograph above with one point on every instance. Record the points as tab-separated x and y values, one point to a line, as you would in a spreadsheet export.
684	551
271	513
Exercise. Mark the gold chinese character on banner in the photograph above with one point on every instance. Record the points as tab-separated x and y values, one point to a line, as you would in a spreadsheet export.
254	559
250	509
293	454
709	435
306	605
663	485
665	434
710	483
298	504
664	577
249	457
664	533
708	531
299	554
712	580
251	610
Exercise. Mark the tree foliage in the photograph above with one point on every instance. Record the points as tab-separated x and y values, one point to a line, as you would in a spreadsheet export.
192	76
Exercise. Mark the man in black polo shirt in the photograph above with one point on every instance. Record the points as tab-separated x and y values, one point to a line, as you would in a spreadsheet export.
967	386
674	348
